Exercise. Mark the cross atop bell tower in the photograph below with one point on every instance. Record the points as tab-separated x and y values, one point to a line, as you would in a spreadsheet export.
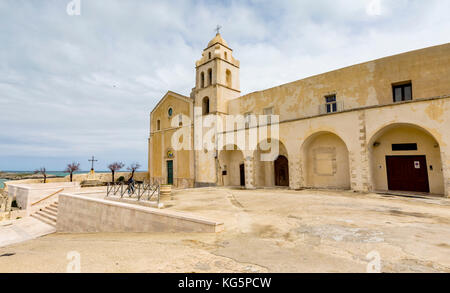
217	76
217	29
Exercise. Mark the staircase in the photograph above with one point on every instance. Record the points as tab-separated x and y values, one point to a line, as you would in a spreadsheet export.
48	214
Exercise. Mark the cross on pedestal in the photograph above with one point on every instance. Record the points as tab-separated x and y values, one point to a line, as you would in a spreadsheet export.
92	163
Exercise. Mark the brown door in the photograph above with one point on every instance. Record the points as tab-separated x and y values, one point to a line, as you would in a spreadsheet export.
281	171
407	173
242	174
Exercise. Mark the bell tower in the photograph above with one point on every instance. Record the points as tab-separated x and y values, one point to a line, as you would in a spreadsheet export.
217	77
217	82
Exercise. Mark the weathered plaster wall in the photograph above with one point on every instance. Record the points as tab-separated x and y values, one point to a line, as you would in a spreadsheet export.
326	162
356	86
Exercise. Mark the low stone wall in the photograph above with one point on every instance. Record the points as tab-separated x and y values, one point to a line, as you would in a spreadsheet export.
107	177
27	194
82	214
103	177
181	183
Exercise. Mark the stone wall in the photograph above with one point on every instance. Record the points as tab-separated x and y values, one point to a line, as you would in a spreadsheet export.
103	177
83	214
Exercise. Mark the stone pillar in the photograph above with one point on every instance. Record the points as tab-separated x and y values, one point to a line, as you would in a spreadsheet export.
445	158
294	174
249	173
3	200
301	173
359	159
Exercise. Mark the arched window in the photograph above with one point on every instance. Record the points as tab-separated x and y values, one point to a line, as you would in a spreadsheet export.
210	76
226	56
205	106
158	125
202	80
209	54
228	76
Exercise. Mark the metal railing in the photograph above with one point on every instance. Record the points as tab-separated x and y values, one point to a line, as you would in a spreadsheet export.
141	191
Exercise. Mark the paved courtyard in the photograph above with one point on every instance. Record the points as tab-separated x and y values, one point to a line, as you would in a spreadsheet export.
265	231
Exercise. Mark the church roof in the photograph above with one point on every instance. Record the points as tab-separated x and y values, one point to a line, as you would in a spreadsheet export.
217	39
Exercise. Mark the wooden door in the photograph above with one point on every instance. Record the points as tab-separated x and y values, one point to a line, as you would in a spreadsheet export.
281	171
407	173
170	172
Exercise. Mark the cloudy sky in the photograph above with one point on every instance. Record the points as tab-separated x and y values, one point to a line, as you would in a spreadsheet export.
82	85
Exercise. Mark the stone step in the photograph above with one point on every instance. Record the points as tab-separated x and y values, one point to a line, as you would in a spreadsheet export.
46	215
50	211
44	220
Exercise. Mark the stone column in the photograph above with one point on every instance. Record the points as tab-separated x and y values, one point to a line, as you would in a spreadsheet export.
445	158
249	172
359	159
294	173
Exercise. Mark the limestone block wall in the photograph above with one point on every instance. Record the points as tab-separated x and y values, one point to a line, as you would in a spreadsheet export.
82	214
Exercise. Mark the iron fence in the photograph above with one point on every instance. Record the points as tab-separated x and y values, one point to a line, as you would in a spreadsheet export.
141	191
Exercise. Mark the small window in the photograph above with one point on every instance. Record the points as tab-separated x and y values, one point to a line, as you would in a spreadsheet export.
228	78
402	92
209	55
202	80
209	76
226	56
180	120
331	104
158	125
404	147
205	106
170	112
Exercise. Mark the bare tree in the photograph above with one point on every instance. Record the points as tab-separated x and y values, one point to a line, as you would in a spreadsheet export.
72	168
116	166
42	171
133	167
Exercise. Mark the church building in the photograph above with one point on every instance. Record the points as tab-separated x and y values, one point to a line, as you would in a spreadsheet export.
379	126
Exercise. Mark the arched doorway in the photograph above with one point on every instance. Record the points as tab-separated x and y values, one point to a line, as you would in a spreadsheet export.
325	161
406	157
281	171
274	172
231	164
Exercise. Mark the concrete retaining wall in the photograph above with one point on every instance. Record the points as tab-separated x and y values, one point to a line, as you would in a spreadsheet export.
27	194
82	214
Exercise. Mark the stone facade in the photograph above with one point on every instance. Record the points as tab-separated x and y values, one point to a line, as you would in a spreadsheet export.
345	129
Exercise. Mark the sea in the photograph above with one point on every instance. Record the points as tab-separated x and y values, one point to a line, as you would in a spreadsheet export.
55	173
